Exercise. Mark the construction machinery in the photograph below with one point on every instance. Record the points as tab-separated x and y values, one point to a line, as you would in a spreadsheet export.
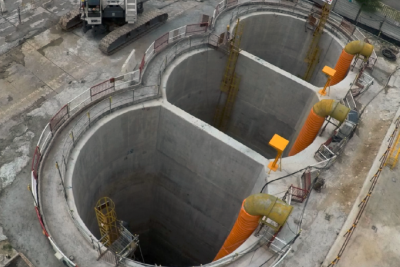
124	20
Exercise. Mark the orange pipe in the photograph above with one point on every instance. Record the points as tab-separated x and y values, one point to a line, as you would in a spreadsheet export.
308	132
342	66
243	228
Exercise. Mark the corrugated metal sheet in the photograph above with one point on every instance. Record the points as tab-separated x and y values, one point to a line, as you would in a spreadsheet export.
371	20
392	29
347	9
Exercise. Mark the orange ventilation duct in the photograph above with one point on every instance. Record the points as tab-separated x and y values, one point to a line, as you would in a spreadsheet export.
315	119
244	226
345	59
308	132
253	208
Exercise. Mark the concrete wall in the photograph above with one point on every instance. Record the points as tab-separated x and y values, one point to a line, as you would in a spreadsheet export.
194	84
282	41
118	162
269	101
178	186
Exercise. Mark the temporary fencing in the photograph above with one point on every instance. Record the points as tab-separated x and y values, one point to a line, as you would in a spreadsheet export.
102	89
364	202
385	20
59	118
35	162
161	42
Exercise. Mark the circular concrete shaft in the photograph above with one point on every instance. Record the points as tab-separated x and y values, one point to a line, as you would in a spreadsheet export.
179	188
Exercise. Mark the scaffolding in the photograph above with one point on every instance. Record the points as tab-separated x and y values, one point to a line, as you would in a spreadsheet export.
314	51
124	247
230	81
107	220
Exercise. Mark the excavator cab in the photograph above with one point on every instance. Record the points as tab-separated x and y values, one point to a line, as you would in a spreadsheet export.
91	14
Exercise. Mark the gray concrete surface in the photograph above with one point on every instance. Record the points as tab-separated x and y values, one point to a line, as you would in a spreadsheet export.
376	241
36	17
270	101
283	41
176	186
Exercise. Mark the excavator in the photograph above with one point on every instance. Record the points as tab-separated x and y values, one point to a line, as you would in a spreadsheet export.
124	20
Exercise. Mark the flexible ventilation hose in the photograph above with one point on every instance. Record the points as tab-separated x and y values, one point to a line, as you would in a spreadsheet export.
245	225
253	208
350	50
315	120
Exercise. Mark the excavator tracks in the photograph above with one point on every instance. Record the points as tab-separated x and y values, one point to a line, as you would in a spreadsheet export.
127	33
70	20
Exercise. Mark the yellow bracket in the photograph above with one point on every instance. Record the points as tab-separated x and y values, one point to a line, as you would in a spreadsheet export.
330	73
279	143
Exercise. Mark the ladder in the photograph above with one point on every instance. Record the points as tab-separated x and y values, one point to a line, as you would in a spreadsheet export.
230	81
107	220
130	11
314	50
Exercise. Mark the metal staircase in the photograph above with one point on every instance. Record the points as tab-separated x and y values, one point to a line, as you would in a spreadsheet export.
130	11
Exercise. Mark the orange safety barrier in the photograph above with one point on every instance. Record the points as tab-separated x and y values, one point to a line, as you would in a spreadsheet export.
308	132
244	226
342	66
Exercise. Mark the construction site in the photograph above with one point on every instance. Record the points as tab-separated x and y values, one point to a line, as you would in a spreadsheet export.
191	133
